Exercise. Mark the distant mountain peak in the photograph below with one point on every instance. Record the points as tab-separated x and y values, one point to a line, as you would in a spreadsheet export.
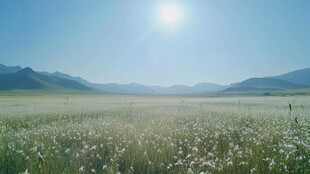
2	65
206	84
9	69
27	70
135	84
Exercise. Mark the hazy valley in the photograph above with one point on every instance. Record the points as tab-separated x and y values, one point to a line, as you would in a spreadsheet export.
16	77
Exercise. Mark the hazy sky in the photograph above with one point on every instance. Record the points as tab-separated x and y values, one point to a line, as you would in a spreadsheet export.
123	41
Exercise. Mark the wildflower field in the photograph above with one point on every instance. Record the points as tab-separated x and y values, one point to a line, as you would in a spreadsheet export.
154	134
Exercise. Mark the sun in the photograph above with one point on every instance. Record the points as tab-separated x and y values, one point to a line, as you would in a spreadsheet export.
169	14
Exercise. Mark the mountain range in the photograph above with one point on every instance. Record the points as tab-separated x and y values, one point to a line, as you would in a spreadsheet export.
16	77
265	84
28	79
293	80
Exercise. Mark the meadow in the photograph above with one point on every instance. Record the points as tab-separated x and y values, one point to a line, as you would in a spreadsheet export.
154	134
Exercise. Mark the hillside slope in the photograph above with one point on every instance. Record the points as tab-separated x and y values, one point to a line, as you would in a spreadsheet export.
301	76
264	84
31	80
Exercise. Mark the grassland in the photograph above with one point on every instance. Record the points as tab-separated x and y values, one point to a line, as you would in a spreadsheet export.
68	133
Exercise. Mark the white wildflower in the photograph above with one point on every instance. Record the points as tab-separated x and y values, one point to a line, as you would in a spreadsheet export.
40	156
195	149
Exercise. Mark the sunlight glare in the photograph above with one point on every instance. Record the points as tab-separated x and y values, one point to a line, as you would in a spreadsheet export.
169	14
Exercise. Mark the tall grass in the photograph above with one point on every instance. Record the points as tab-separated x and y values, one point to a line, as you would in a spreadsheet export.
136	134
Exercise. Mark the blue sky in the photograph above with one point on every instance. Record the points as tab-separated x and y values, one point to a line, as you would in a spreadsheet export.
122	41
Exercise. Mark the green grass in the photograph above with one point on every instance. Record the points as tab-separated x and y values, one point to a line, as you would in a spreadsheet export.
153	134
253	93
300	92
